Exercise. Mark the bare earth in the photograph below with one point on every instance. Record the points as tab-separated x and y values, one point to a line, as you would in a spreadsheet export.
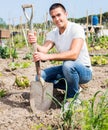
15	111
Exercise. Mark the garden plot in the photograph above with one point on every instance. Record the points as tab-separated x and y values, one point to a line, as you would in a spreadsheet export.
15	111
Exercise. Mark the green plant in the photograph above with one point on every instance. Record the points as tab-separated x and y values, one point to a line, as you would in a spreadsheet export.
18	41
0	74
14	53
22	81
95	113
68	116
99	60
98	43
41	127
28	56
15	65
6	52
106	82
2	93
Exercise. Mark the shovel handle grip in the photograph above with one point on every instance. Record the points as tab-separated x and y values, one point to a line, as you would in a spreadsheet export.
27	6
29	18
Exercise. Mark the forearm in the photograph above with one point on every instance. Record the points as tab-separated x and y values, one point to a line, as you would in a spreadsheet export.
45	47
62	56
42	49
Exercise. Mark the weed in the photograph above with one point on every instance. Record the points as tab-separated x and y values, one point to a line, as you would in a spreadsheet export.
95	115
68	116
2	93
41	127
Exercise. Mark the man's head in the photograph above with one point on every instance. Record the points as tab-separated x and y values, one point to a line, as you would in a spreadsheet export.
58	14
56	5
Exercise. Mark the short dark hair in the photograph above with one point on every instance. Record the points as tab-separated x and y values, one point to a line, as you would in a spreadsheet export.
56	5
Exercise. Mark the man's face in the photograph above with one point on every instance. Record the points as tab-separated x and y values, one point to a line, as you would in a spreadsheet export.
59	17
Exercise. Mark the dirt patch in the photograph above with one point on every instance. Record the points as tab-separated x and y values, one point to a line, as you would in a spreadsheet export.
15	111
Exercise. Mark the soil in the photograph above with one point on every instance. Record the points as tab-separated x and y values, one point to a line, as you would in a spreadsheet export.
15	111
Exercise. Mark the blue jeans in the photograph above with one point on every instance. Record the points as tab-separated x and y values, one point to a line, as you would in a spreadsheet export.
74	73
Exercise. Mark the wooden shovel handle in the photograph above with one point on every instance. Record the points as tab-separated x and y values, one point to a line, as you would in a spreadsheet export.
38	70
37	64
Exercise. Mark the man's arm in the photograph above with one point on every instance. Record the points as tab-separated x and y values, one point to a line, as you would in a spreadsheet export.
32	39
46	46
71	54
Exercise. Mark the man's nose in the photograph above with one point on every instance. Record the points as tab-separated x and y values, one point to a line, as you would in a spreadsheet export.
56	18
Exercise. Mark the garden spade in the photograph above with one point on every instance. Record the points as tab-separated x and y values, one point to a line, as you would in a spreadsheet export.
39	99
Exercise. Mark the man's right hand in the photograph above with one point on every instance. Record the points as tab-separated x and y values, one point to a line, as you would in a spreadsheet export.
32	37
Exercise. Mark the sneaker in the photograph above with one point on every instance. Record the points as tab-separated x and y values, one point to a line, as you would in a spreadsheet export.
66	106
76	103
80	89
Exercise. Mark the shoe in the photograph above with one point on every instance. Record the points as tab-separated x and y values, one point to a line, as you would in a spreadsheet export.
80	89
68	104
77	102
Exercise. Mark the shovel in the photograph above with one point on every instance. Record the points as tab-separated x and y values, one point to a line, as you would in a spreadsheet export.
39	91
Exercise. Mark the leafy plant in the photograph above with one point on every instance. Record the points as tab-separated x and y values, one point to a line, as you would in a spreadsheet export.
22	81
99	60
2	93
28	56
19	41
98	43
15	65
41	127
6	52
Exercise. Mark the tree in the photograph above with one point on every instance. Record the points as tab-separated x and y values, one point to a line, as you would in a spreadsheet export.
2	23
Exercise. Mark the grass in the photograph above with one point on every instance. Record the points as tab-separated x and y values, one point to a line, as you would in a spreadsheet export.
95	113
92	114
67	116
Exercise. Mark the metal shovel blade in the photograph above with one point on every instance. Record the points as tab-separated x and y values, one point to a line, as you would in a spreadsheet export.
39	99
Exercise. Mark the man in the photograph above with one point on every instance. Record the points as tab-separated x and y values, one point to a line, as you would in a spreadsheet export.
69	40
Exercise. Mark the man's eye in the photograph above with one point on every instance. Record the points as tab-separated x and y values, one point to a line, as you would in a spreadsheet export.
58	15
53	17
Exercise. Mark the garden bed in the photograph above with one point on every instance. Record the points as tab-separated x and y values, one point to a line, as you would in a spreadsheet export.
15	111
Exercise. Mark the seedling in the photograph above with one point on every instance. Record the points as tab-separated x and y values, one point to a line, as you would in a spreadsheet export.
3	93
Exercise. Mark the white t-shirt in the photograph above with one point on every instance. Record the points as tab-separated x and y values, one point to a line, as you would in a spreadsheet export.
63	41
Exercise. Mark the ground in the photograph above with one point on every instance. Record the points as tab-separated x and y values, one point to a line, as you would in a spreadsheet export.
15	111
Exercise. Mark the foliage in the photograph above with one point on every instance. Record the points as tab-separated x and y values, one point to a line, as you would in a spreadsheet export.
18	41
6	52
2	23
22	81
41	126
28	56
99	60
2	93
68	116
91	114
0	74
15	65
106	82
98	42
84	19
95	112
